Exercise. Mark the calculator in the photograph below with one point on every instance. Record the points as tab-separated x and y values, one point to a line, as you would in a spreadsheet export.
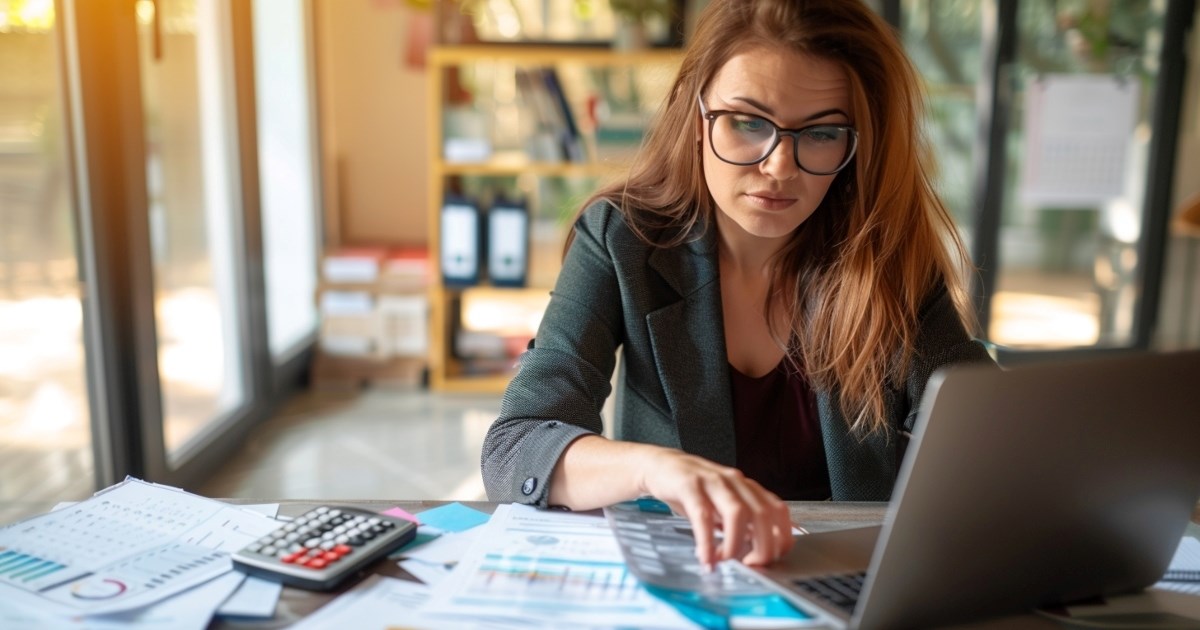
323	547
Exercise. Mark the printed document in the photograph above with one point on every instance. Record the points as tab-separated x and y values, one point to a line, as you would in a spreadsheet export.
550	567
128	546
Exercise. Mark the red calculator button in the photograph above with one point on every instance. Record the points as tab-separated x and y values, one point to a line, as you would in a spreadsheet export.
331	556
293	557
316	563
343	549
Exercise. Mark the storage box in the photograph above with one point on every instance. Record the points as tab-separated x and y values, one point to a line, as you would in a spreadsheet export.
404	325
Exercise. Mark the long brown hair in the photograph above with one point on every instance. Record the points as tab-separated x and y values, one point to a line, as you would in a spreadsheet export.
854	275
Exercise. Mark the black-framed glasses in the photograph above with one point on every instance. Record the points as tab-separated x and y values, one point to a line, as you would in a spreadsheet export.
745	139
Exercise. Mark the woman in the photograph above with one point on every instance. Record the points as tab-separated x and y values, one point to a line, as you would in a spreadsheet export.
775	270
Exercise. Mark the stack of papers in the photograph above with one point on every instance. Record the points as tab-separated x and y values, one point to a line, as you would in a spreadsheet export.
134	555
1183	575
522	568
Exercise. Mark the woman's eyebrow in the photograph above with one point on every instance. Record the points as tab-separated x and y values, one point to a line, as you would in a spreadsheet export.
770	112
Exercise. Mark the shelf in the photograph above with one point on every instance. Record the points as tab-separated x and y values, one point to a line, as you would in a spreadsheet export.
515	163
491	384
550	54
508	313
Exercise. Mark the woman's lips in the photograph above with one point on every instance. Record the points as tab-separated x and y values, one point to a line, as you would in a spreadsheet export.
770	201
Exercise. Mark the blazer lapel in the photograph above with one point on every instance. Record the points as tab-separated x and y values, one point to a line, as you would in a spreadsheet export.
688	341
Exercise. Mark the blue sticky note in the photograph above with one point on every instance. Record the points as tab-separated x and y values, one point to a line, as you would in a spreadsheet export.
453	517
420	539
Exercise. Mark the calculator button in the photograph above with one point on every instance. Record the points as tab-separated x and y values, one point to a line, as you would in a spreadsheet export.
387	524
316	563
343	549
290	527
341	540
312	542
268	551
331	556
374	521
356	542
297	548
254	547
328	544
321	510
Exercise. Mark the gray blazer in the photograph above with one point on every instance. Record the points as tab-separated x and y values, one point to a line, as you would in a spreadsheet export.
663	308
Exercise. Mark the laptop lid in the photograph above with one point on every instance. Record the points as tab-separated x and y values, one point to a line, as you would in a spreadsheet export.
1038	485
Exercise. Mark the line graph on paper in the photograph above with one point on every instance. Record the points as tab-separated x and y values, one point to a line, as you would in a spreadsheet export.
557	579
561	569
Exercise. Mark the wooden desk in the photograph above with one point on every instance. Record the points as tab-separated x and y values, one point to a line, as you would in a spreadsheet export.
295	604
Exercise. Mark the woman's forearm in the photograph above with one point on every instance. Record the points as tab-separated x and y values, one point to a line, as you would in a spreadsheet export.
594	472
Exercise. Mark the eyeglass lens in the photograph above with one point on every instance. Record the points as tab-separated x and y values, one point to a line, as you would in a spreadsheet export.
748	139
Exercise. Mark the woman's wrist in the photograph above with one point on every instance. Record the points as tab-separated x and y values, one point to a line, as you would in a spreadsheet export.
646	457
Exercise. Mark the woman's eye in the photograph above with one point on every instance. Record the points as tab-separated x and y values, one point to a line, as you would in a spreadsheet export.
748	124
821	135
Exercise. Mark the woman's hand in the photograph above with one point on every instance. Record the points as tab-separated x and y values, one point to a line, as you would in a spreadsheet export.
755	522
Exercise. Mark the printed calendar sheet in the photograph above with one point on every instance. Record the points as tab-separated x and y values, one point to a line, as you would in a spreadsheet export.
126	547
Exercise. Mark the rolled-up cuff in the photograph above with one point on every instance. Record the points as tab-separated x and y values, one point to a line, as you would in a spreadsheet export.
531	476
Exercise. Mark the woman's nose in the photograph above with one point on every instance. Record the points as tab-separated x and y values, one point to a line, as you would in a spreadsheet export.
781	162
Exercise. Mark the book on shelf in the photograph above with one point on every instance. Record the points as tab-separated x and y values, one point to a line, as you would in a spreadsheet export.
571	139
557	136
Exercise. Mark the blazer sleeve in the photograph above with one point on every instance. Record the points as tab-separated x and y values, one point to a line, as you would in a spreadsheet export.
563	380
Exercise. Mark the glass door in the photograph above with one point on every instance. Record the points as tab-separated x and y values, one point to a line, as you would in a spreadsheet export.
1053	122
287	171
46	435
195	214
1084	79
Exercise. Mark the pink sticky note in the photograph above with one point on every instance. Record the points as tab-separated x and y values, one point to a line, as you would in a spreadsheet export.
401	513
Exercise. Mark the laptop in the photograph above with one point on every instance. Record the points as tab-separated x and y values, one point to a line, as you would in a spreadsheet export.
1021	489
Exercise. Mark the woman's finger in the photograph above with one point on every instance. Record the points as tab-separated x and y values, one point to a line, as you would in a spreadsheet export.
699	512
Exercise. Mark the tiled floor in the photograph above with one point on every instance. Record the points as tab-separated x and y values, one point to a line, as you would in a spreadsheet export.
374	444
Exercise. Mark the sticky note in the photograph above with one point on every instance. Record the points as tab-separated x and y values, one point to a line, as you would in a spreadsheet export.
453	517
400	512
420	539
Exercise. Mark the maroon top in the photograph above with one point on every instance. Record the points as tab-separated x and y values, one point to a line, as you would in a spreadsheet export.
778	433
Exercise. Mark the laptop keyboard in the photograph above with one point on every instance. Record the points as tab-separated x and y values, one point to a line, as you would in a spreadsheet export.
840	590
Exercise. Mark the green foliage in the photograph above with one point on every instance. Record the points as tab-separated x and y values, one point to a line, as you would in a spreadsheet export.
642	10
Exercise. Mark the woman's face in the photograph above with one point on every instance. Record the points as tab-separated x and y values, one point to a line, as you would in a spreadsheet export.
771	199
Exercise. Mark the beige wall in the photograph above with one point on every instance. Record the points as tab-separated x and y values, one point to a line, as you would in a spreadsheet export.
373	124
